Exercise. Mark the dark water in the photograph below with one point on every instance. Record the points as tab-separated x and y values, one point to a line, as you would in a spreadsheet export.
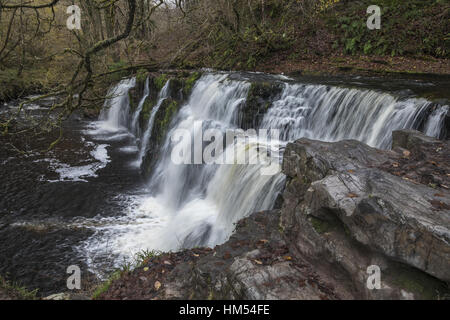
39	229
44	221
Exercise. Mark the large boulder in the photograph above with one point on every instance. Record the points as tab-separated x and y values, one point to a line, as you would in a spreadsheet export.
349	210
254	264
343	210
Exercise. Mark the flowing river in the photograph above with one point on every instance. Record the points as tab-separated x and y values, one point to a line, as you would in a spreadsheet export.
86	203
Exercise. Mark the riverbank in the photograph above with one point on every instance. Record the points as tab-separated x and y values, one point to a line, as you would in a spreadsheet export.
12	87
357	65
53	201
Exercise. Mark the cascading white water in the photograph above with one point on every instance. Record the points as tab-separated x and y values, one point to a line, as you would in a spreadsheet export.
197	205
134	128
116	112
333	114
163	95
435	122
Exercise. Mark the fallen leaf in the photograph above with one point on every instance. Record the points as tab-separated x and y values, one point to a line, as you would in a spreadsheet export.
351	171
406	153
157	285
395	164
263	241
288	258
352	195
196	255
167	263
146	269
258	262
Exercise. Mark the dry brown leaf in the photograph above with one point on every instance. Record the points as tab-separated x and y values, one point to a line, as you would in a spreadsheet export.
157	285
258	262
352	195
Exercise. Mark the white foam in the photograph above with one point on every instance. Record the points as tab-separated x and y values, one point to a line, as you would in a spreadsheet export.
80	173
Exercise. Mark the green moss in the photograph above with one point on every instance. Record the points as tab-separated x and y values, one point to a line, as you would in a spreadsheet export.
133	106
161	81
171	109
13	86
321	226
104	287
141	75
143	257
417	282
146	110
190	82
17	291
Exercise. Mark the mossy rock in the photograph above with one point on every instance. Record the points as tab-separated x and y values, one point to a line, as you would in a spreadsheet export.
163	119
141	75
423	286
160	81
146	111
259	100
189	82
321	226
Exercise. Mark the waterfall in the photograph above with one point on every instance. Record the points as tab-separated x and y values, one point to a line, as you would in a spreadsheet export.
433	127
333	114
163	95
115	113
198	205
137	113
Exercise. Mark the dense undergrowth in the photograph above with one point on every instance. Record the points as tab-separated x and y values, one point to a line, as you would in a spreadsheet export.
408	28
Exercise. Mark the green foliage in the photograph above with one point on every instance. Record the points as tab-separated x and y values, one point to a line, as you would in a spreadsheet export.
116	66
104	287
190	82
141	75
171	109
143	257
17	291
407	28
146	110
161	81
140	259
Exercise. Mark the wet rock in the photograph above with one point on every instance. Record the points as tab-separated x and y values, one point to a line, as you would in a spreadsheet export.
58	296
259	100
342	210
254	264
344	214
163	119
